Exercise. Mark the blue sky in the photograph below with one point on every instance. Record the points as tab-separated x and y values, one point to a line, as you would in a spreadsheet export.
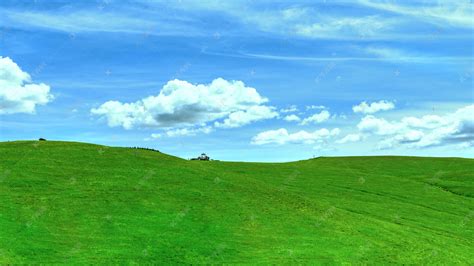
241	80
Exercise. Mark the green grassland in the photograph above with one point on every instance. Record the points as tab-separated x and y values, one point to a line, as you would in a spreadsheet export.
76	203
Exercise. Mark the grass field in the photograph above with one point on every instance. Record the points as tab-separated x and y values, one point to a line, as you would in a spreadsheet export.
66	202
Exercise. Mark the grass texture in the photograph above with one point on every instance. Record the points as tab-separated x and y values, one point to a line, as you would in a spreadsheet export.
77	203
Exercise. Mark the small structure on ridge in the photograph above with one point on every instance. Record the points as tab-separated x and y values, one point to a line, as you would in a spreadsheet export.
202	157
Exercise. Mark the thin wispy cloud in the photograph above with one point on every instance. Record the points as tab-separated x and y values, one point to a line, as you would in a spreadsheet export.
345	27
93	20
304	20
366	54
453	13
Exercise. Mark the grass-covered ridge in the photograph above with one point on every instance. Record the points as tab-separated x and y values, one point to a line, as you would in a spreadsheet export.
64	202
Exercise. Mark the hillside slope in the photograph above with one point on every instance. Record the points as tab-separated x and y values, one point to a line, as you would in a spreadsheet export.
64	202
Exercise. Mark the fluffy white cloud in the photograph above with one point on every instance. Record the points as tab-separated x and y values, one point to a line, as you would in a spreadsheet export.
252	114
312	107
379	126
425	131
292	118
409	136
281	136
427	121
374	107
17	93
182	104
349	138
316	118
188	131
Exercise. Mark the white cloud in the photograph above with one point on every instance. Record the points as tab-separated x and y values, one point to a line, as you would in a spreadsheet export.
409	136
386	52
156	135
182	104
188	131
349	138
292	118
131	21
281	136
344	26
17	93
339	116
379	126
406	137
466	145
425	131
312	107
373	107
302	20
290	109
391	54
252	114
454	13
427	121
397	55
305	20
316	118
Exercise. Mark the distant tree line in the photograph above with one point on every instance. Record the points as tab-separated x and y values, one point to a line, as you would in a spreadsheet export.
143	148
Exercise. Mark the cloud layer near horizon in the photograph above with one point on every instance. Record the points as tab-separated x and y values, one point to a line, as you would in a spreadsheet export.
413	132
282	136
422	132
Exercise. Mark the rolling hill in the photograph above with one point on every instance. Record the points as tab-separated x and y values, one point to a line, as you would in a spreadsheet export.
67	202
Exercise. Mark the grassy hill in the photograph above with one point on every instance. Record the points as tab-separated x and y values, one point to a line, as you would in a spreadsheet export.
65	202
